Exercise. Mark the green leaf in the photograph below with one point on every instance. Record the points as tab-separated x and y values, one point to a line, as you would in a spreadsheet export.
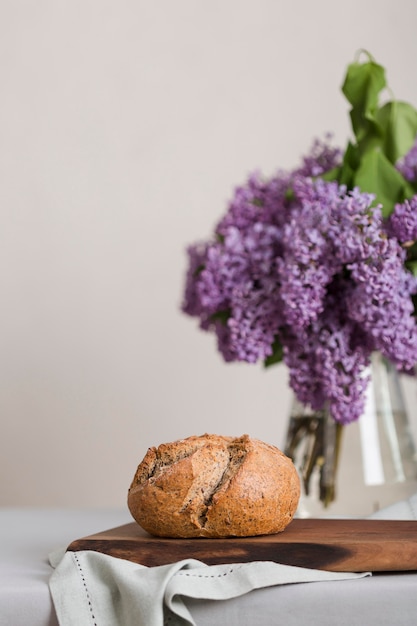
344	174
362	86
411	260
331	175
277	354
351	156
412	266
366	129
257	202
198	270
351	162
221	316
378	176
399	123
289	194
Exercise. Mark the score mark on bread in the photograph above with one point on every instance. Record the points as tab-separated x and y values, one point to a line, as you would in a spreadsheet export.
214	486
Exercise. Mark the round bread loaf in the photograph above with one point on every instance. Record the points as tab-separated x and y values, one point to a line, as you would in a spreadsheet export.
214	486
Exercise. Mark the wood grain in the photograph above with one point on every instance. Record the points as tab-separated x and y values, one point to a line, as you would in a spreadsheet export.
329	544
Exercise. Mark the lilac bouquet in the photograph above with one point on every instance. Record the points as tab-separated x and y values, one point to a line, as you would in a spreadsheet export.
315	266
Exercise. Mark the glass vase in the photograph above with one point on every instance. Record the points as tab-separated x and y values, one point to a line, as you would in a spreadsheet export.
357	469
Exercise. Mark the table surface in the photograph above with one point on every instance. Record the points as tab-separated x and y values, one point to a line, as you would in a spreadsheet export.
29	535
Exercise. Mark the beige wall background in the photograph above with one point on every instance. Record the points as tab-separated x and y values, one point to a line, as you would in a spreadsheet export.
124	127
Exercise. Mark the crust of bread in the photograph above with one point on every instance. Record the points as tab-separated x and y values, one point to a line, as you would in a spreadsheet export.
214	486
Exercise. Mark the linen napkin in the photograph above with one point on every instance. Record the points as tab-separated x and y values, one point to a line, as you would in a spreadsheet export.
92	588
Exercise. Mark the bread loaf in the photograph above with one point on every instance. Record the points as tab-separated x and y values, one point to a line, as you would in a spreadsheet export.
214	486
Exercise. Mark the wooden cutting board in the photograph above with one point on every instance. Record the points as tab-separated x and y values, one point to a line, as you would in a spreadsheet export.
329	544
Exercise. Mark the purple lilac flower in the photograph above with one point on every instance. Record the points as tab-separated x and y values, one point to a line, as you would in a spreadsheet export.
402	222
328	361
321	158
257	201
379	301
196	262
407	165
325	232
238	278
314	266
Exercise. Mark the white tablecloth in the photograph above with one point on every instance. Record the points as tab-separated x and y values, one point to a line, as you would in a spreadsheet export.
29	535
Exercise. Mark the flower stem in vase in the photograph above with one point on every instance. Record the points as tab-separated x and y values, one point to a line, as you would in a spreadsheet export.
313	443
332	444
